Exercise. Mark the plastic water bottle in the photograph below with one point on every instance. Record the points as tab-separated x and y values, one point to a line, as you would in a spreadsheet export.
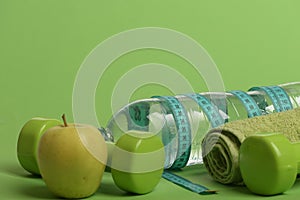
183	120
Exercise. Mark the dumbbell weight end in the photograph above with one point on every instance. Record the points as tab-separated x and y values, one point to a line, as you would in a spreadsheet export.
269	163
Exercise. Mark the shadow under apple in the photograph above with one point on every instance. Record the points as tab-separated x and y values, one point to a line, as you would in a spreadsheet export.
110	189
37	192
15	170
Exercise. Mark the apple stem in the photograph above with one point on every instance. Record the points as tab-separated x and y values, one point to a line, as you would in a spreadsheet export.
64	119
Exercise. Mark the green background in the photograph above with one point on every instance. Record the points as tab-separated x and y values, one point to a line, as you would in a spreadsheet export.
43	43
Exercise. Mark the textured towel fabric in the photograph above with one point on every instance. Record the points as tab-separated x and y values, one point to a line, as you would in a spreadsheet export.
220	147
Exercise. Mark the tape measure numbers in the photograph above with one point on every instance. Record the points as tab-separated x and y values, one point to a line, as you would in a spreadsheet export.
271	95
278	96
183	130
210	110
282	97
178	180
184	146
249	103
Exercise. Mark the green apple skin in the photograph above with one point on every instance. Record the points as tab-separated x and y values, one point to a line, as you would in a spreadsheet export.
28	141
138	183
72	160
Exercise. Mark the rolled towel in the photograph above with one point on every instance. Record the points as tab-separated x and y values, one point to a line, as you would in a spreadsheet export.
220	147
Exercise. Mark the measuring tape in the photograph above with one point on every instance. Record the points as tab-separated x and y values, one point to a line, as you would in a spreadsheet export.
283	97
185	140
183	130
210	110
278	96
178	180
250	105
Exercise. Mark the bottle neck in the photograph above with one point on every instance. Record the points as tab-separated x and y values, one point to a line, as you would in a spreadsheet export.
106	134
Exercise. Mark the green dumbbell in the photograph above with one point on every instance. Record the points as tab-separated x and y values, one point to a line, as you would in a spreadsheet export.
269	163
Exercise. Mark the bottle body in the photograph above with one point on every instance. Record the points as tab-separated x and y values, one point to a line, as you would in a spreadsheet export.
183	120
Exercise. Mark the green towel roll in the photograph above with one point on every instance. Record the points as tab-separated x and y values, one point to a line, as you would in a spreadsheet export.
220	147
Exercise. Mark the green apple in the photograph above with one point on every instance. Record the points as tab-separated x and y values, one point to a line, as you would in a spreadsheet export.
28	141
72	159
138	162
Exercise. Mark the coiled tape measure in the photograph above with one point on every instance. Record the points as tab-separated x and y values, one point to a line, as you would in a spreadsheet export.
210	110
278	96
249	103
183	129
185	140
279	99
